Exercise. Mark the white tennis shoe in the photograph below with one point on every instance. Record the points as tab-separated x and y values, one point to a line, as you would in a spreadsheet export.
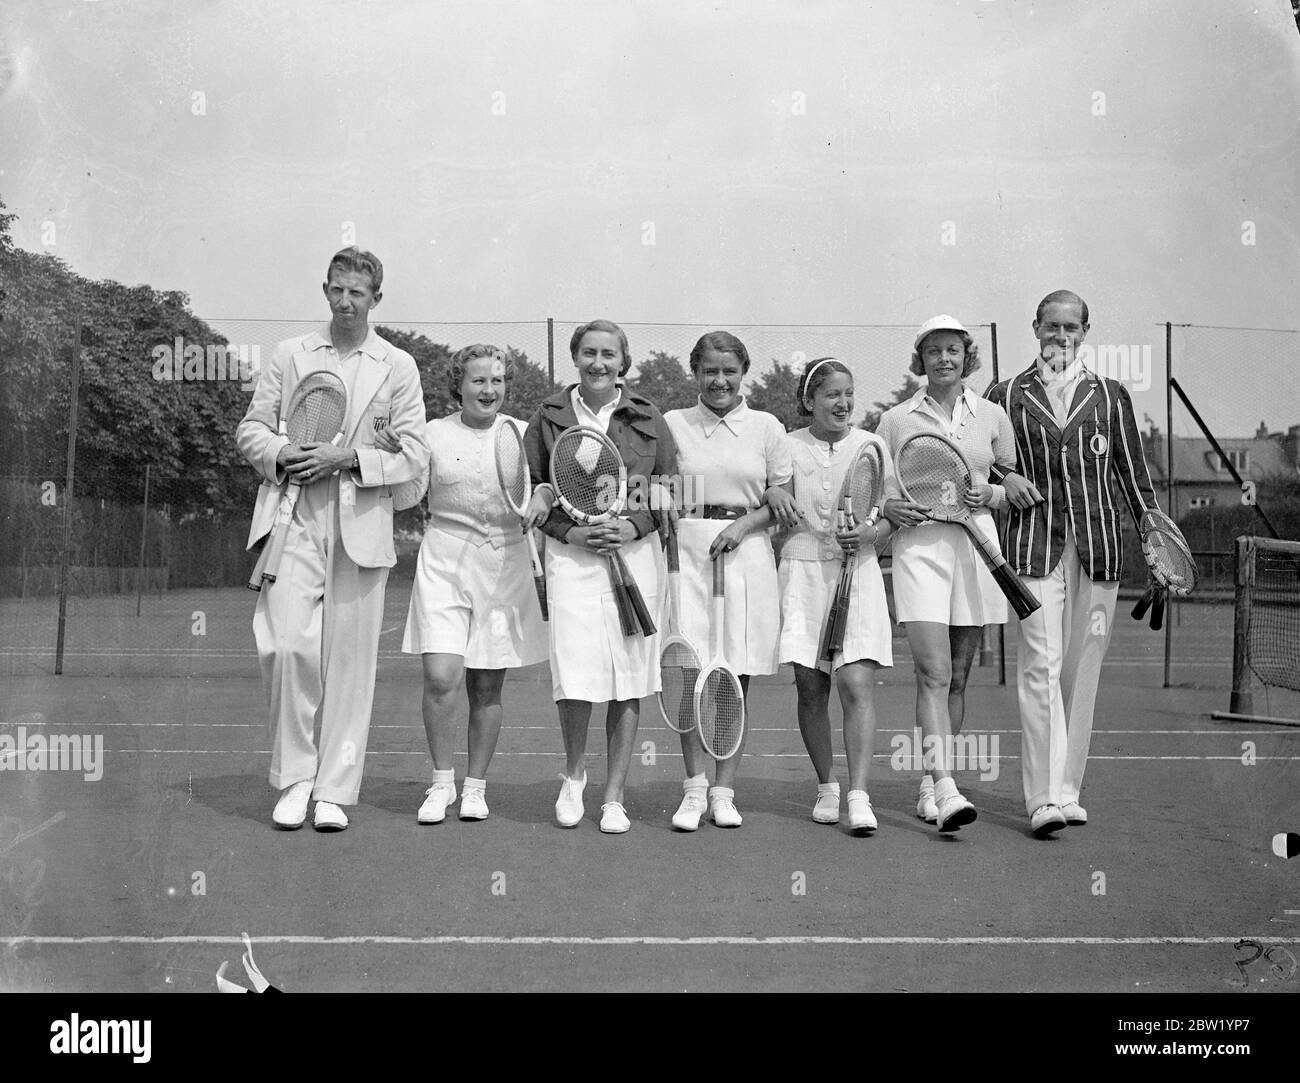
827	808
473	804
1075	814
329	817
437	797
861	817
613	818
722	807
568	809
687	816
291	810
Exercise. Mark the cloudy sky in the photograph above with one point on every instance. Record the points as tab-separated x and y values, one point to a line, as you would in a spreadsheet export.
827	162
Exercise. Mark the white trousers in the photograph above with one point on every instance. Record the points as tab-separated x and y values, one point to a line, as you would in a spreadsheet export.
1058	663
317	631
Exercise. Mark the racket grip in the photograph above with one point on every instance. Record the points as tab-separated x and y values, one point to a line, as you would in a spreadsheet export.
1158	610
637	599
626	617
539	584
255	580
1144	603
1024	603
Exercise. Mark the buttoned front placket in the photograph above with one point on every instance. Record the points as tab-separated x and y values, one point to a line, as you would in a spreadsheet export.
827	498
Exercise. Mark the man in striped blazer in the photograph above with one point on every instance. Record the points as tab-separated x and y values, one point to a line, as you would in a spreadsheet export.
1078	456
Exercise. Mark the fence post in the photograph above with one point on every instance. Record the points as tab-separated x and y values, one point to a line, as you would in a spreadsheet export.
550	349
144	532
1169	474
1242	700
74	370
1002	628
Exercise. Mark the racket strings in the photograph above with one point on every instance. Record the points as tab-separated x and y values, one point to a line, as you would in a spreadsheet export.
862	486
722	711
511	467
586	474
317	414
679	669
933	474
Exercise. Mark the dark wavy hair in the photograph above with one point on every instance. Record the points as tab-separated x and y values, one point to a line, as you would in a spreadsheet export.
721	342
460	362
1062	297
808	387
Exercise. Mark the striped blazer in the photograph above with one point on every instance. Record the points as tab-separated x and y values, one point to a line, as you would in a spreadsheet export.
1078	469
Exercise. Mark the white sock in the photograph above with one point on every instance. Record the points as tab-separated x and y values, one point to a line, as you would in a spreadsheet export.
927	782
828	787
945	787
721	791
479	784
696	782
444	776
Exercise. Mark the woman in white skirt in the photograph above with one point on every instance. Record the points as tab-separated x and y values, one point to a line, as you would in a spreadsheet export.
591	660
943	593
473	609
728	457
810	567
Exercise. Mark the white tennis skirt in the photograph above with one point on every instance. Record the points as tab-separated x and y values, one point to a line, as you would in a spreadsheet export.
591	659
475	601
939	577
807	591
751	615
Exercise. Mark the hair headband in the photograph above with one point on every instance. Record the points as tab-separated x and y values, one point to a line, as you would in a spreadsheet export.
809	375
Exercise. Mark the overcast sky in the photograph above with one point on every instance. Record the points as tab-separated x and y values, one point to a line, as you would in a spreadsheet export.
797	163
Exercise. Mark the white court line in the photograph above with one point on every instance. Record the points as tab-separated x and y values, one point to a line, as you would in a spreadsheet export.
674	755
658	941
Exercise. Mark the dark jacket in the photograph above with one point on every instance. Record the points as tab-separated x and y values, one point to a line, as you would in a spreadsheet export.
637	429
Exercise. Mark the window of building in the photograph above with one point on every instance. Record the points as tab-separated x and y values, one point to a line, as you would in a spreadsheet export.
1199	502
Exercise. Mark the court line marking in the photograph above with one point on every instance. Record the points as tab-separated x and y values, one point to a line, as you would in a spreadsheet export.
676	755
658	941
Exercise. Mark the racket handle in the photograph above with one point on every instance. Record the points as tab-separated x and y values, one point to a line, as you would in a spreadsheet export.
276	552
1158	610
626	617
539	574
539	584
1024	603
1144	603
635	597
255	580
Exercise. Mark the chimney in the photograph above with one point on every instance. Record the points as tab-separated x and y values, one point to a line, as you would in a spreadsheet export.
1262	432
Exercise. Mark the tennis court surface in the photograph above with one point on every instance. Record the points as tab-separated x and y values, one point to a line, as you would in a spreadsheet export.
145	878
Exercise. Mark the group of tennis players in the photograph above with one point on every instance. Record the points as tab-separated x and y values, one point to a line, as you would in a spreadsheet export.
1060	440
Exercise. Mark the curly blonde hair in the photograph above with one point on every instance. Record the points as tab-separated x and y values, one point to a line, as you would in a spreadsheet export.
460	362
969	365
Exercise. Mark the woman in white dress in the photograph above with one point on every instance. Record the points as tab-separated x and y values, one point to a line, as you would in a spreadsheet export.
811	559
943	593
473	609
591	660
728	457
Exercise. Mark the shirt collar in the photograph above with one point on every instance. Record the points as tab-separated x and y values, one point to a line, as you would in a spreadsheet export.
732	418
1066	378
371	346
918	400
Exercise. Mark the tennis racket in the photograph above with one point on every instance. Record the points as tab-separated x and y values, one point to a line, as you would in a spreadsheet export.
860	494
719	699
590	482
1169	563
679	661
517	488
934	473
316	414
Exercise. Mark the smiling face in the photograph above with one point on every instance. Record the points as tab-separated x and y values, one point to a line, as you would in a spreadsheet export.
351	297
718	376
943	355
482	390
1060	333
599	358
831	404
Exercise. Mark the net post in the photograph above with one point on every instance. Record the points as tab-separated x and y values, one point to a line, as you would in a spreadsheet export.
1169	472
144	533
74	386
1242	700
550	349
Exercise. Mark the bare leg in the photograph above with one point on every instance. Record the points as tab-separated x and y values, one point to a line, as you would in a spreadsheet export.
442	673
483	688
813	688
620	731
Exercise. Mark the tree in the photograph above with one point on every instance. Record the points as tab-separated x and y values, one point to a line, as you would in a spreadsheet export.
910	387
663	381
777	392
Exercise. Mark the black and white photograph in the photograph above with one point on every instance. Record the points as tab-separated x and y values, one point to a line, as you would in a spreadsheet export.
737	496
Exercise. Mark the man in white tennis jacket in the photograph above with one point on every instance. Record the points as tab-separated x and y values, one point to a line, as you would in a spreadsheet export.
317	626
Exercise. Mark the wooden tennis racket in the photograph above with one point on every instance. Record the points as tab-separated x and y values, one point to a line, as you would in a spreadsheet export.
1170	564
679	660
517	488
590	483
316	414
719	698
934	473
859	495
